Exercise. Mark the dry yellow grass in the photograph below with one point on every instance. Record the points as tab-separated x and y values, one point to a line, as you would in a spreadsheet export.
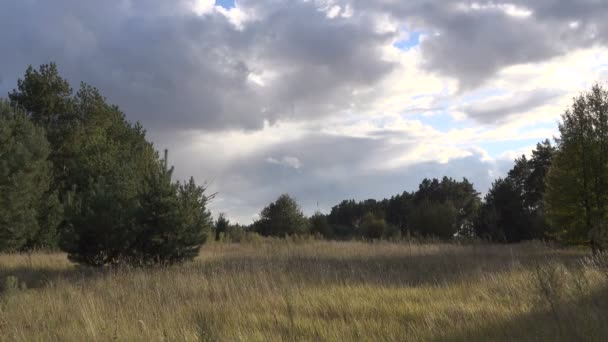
335	291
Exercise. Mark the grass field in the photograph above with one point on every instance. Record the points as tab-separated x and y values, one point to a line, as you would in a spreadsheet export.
335	291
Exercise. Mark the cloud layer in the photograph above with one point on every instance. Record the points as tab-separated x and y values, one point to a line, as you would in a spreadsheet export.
325	99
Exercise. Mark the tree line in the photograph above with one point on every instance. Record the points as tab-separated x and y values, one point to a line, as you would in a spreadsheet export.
559	193
76	175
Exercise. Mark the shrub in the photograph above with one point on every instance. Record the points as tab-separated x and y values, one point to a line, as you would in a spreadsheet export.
372	227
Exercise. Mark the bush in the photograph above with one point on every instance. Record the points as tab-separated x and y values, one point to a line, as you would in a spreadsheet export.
372	227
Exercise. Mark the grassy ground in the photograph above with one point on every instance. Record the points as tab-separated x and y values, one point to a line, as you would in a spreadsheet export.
336	291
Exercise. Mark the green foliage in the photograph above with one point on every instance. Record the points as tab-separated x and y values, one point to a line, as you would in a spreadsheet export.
447	195
320	226
46	97
281	218
513	209
372	227
435	219
29	213
577	183
173	222
100	225
396	214
398	209
221	226
502	217
120	203
165	223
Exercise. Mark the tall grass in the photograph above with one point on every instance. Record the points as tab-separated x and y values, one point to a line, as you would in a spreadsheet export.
336	291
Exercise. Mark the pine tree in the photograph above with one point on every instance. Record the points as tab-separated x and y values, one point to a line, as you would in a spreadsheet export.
100	225
173	221
28	211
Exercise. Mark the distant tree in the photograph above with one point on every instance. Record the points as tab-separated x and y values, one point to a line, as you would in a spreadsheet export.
398	210
576	198
372	227
445	194
502	217
319	225
435	219
221	226
281	218
513	209
346	217
29	212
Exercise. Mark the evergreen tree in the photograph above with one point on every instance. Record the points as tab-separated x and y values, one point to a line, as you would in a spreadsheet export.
109	161
47	99
100	225
28	210
173	222
282	217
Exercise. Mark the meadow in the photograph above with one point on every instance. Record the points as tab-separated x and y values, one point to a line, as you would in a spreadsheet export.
278	290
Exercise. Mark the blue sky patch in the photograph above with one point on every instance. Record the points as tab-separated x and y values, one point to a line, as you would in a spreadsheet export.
227	4
412	41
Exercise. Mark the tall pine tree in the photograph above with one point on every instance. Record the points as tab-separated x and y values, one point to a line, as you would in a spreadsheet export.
29	212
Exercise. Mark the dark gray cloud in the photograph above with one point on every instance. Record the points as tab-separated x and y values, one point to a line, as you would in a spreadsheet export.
499	110
170	68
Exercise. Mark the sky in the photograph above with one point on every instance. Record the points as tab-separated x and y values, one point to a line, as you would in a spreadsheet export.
322	99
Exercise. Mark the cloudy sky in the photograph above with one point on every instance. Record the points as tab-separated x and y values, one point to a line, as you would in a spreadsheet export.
325	99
